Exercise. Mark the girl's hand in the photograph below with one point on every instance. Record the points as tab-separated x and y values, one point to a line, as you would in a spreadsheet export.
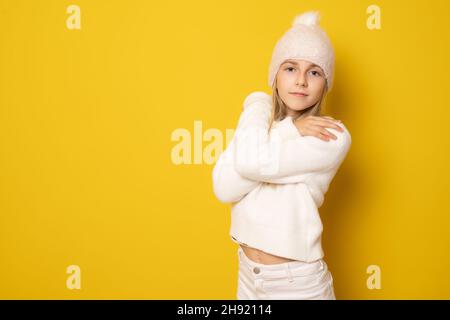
315	126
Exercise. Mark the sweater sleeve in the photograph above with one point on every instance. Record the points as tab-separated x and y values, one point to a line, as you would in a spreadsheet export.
228	185
284	156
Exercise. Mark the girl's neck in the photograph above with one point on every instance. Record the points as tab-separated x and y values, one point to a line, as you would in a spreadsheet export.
294	114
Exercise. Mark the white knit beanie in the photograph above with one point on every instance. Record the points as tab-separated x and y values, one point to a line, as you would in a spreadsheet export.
305	40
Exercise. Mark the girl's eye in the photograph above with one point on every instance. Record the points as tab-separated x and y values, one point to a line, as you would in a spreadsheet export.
315	73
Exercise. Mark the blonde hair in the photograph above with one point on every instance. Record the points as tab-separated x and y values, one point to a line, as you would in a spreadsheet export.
279	108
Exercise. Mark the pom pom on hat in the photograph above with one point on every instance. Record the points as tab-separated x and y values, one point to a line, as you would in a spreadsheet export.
310	18
305	40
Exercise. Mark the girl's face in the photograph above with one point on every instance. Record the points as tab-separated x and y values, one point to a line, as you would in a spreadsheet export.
300	76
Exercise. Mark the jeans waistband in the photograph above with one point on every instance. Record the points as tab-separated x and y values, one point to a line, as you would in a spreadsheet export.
280	270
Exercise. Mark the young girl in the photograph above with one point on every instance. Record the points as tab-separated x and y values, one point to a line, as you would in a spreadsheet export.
277	168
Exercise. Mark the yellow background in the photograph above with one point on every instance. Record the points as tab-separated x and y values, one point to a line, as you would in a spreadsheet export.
86	118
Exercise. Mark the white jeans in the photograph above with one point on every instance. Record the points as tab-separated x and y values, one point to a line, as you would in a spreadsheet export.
294	280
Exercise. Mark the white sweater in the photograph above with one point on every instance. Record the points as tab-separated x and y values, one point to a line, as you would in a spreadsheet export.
276	181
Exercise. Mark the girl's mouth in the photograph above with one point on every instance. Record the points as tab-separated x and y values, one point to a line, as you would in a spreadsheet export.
298	94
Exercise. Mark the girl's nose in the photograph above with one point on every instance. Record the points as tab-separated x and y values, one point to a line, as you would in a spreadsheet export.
301	80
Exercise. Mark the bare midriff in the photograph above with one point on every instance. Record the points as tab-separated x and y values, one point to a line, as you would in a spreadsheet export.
262	257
